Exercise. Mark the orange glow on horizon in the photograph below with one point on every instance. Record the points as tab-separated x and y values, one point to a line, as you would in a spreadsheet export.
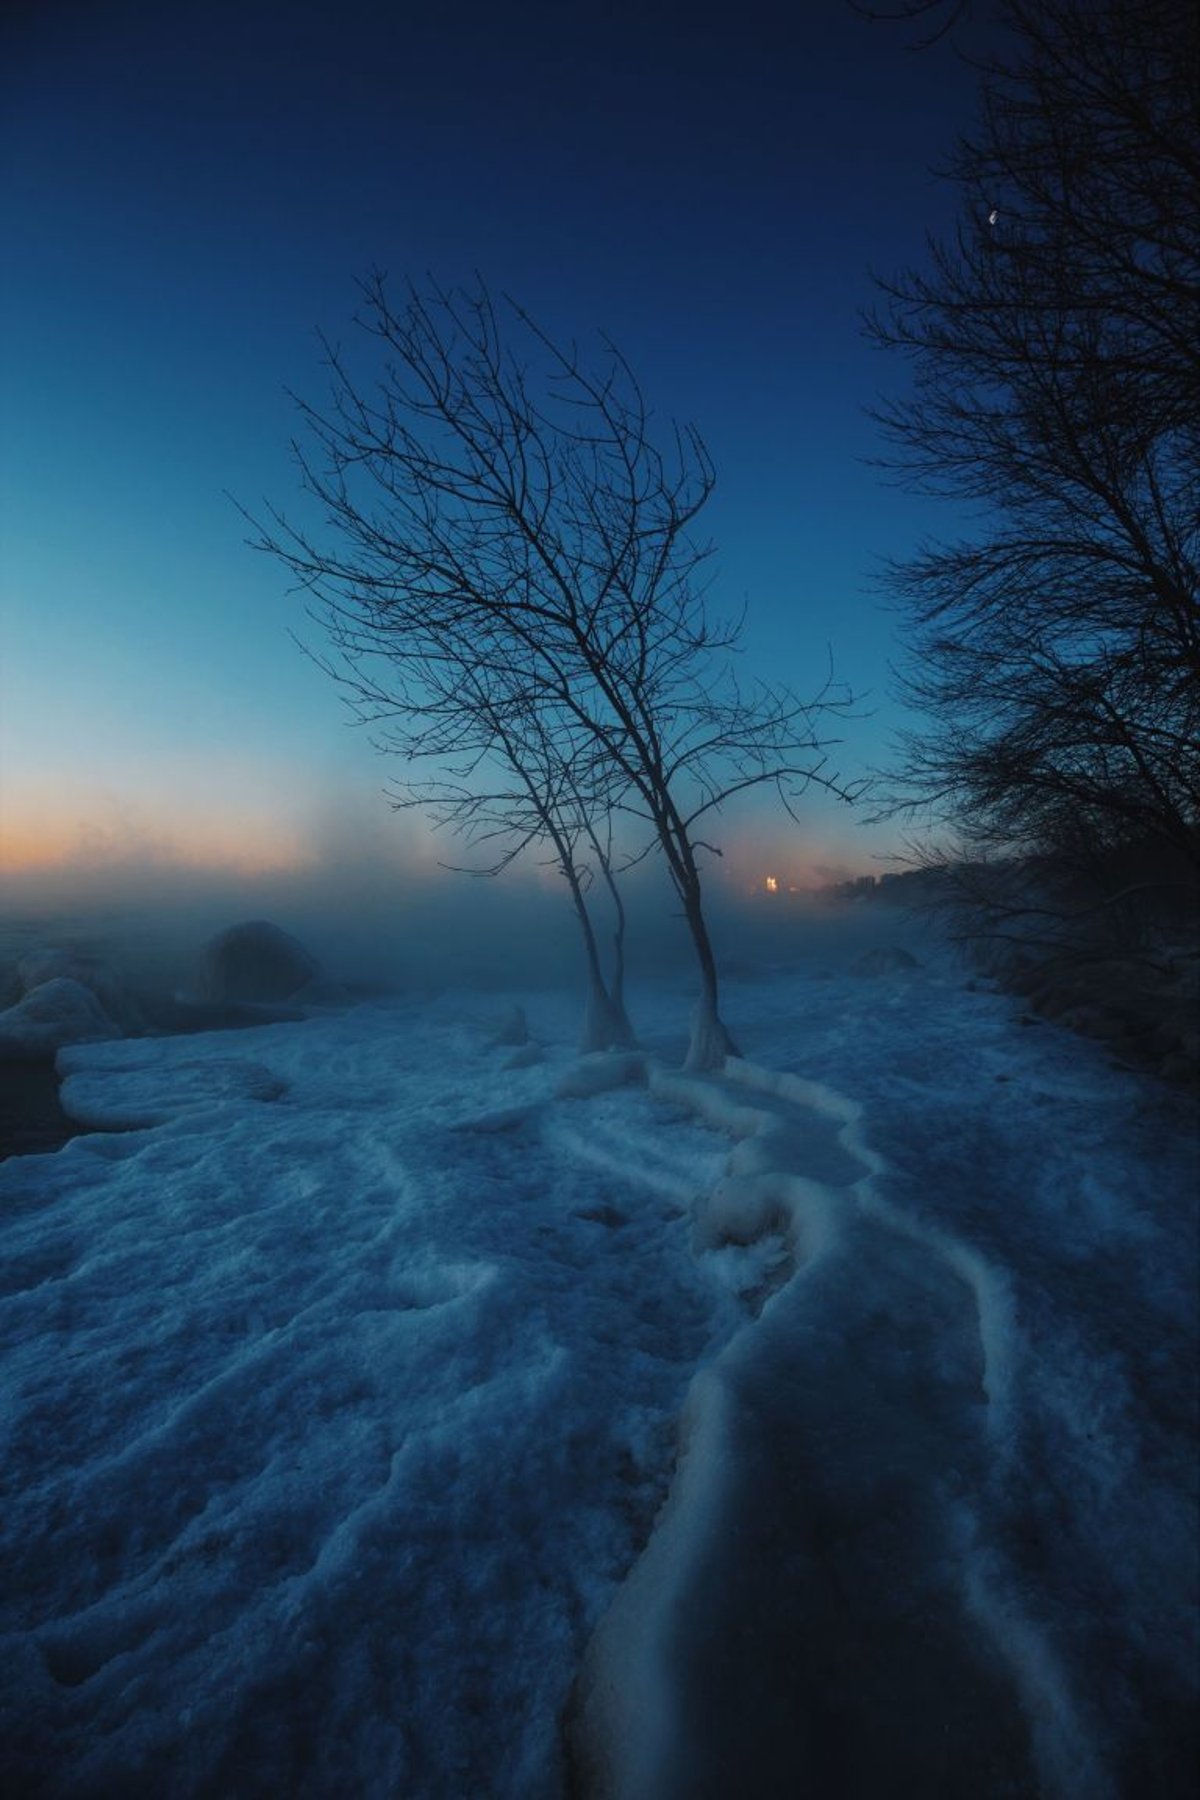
47	835
805	862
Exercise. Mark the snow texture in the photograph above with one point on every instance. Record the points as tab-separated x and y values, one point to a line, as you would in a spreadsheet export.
56	1012
387	1413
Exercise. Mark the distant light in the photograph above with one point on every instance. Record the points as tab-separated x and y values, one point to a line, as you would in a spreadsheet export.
772	884
993	215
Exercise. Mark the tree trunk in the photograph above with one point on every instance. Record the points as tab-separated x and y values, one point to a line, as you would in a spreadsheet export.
710	1042
605	1026
616	987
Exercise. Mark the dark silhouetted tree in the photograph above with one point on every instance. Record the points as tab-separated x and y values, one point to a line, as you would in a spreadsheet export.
504	542
1055	355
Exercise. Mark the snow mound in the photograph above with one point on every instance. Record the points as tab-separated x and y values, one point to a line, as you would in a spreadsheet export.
254	961
56	1012
37	967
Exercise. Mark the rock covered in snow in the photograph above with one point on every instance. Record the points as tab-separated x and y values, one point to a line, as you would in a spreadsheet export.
38	967
56	1012
254	961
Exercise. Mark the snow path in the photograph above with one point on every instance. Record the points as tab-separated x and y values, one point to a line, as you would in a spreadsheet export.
858	1410
342	1396
934	1528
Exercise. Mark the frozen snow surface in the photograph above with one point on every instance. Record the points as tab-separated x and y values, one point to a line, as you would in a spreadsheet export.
390	1412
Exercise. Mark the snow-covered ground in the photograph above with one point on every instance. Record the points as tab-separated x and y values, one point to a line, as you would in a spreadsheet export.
393	1412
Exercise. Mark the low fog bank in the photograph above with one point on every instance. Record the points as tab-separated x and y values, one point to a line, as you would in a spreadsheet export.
375	925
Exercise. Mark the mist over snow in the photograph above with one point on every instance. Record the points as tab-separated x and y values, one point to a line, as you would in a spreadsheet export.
371	896
397	1403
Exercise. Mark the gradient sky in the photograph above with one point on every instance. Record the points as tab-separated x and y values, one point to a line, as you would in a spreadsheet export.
189	190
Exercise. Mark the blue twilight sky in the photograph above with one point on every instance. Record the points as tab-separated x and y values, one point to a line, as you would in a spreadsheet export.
189	190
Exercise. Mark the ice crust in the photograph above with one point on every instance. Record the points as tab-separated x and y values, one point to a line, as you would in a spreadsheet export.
383	1416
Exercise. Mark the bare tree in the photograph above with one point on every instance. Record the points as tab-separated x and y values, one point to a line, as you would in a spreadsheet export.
492	502
1055	651
483	763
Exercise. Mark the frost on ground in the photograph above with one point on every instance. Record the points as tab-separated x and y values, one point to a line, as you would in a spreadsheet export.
348	1371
